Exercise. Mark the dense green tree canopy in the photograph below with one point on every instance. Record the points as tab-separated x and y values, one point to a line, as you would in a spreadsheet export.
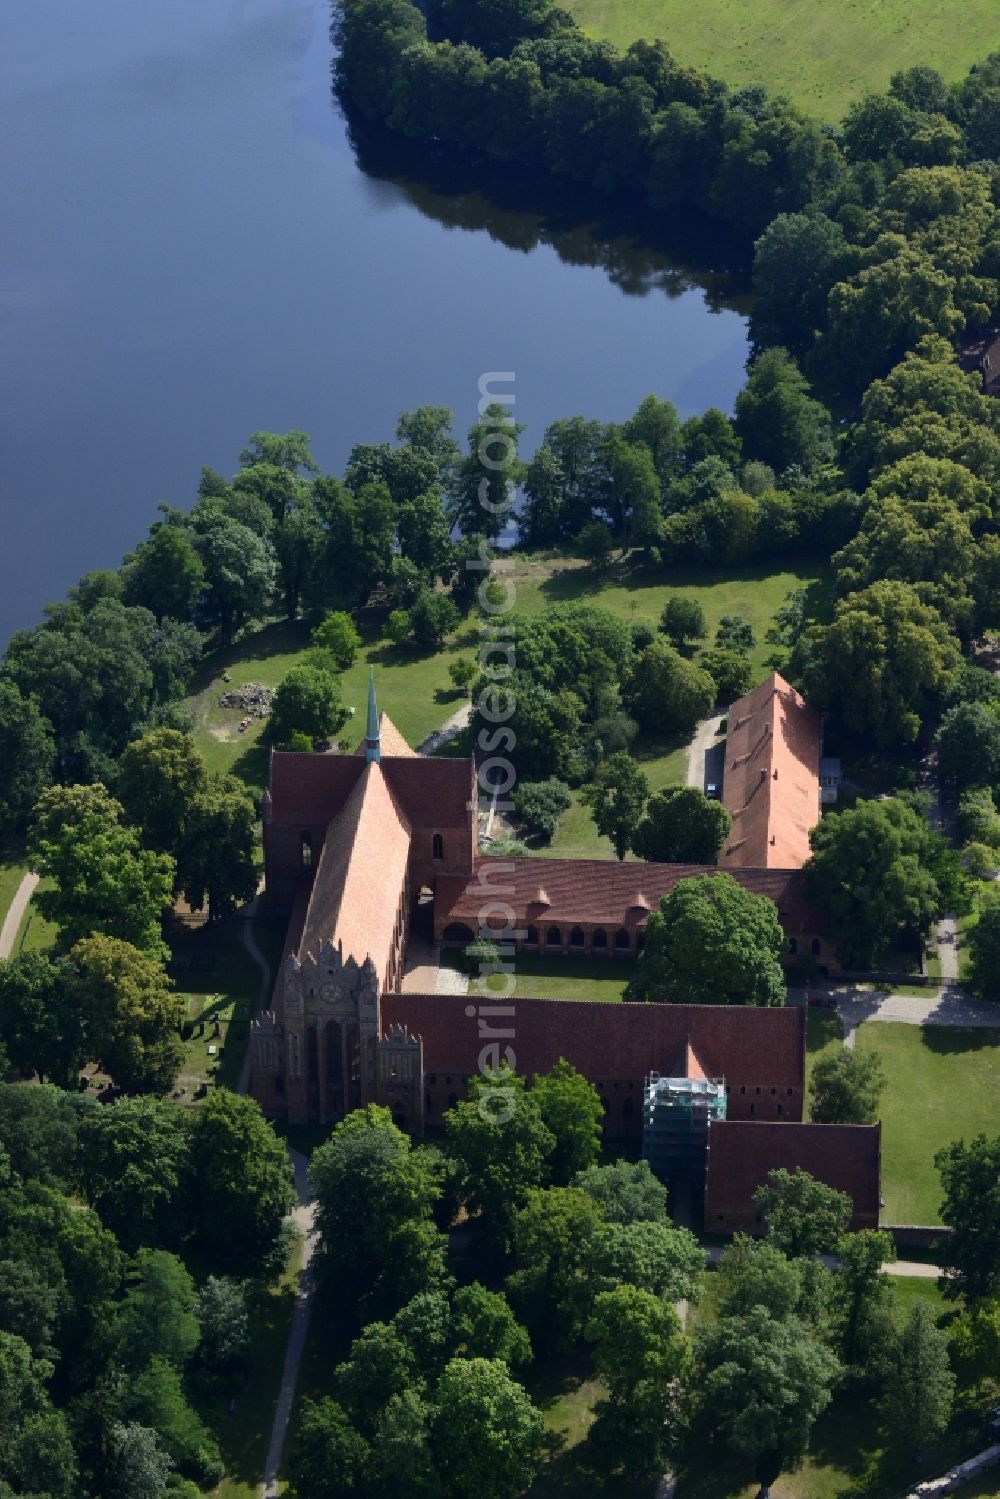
711	942
27	753
665	692
485	1433
41	1029
681	825
627	1191
242	1186
136	1167
131	1014
803	1215
617	797
102	880
871	872
845	1087
307	701
970	1181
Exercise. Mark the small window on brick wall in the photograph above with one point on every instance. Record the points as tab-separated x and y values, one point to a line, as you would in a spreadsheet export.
437	848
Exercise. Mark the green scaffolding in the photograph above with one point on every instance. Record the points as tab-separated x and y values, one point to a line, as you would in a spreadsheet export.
677	1112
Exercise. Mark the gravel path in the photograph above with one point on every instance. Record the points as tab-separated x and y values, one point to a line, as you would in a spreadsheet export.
304	1218
705	735
448	730
947	941
15	914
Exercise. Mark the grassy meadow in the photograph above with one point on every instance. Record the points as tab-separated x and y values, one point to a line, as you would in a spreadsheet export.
821	54
943	1084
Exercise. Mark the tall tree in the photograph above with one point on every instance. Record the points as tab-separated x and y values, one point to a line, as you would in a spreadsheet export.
375	1198
487	478
242	1184
681	825
846	1086
27	753
778	420
764	1382
626	1190
755	1273
486	1435
666	693
803	1215
103	881
131	1014
216	860
136	1165
861	1291
307	701
919	1393
158	777
711	942
970	1180
869	872
503	1146
239	571
165	574
617	797
40	1025
682	620
571	1108
158	1315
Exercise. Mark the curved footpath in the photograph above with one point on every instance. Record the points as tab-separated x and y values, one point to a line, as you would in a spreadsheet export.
15	914
303	1216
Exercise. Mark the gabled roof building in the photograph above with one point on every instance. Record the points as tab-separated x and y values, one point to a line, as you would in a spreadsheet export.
355	844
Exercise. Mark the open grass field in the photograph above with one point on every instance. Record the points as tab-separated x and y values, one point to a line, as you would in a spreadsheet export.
544	977
822	54
413	689
943	1084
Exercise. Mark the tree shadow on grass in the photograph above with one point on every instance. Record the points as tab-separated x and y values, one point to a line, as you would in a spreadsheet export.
947	1040
279	638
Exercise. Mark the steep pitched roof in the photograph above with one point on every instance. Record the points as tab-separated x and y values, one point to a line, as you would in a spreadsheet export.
311	789
356	889
612	1041
433	792
390	739
564	891
771	781
742	1152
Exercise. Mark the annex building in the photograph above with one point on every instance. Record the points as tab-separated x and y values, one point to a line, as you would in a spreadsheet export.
358	848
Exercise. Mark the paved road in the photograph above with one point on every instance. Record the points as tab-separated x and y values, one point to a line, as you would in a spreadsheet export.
943	1007
448	730
947	941
705	735
15	914
304	1217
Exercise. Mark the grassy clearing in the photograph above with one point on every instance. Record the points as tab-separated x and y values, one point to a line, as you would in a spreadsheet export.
822	55
414	690
35	933
942	1085
220	984
754	593
12	872
541	977
824	1034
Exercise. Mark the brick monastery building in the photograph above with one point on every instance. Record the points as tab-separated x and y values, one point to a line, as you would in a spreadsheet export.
356	845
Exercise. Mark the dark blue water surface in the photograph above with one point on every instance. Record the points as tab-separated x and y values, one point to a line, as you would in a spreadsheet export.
194	247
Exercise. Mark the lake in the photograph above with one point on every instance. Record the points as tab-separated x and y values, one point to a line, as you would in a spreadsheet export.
196	246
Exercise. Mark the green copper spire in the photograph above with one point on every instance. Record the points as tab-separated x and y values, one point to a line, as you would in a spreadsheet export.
373	749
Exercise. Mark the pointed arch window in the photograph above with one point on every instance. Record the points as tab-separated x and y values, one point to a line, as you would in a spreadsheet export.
437	848
306	851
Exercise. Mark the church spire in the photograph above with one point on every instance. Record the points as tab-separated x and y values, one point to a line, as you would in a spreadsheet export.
373	749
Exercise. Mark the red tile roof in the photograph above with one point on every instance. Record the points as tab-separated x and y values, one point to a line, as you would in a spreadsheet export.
565	891
391	741
771	780
434	792
310	789
610	1041
360	876
742	1152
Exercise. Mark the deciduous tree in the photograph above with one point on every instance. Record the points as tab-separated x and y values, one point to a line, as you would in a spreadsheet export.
846	1087
804	1216
486	1435
681	825
131	1014
616	799
970	1179
711	942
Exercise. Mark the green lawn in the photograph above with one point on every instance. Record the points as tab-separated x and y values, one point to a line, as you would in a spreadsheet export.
942	1084
36	934
820	53
413	689
544	977
541	580
824	1033
12	872
220	984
